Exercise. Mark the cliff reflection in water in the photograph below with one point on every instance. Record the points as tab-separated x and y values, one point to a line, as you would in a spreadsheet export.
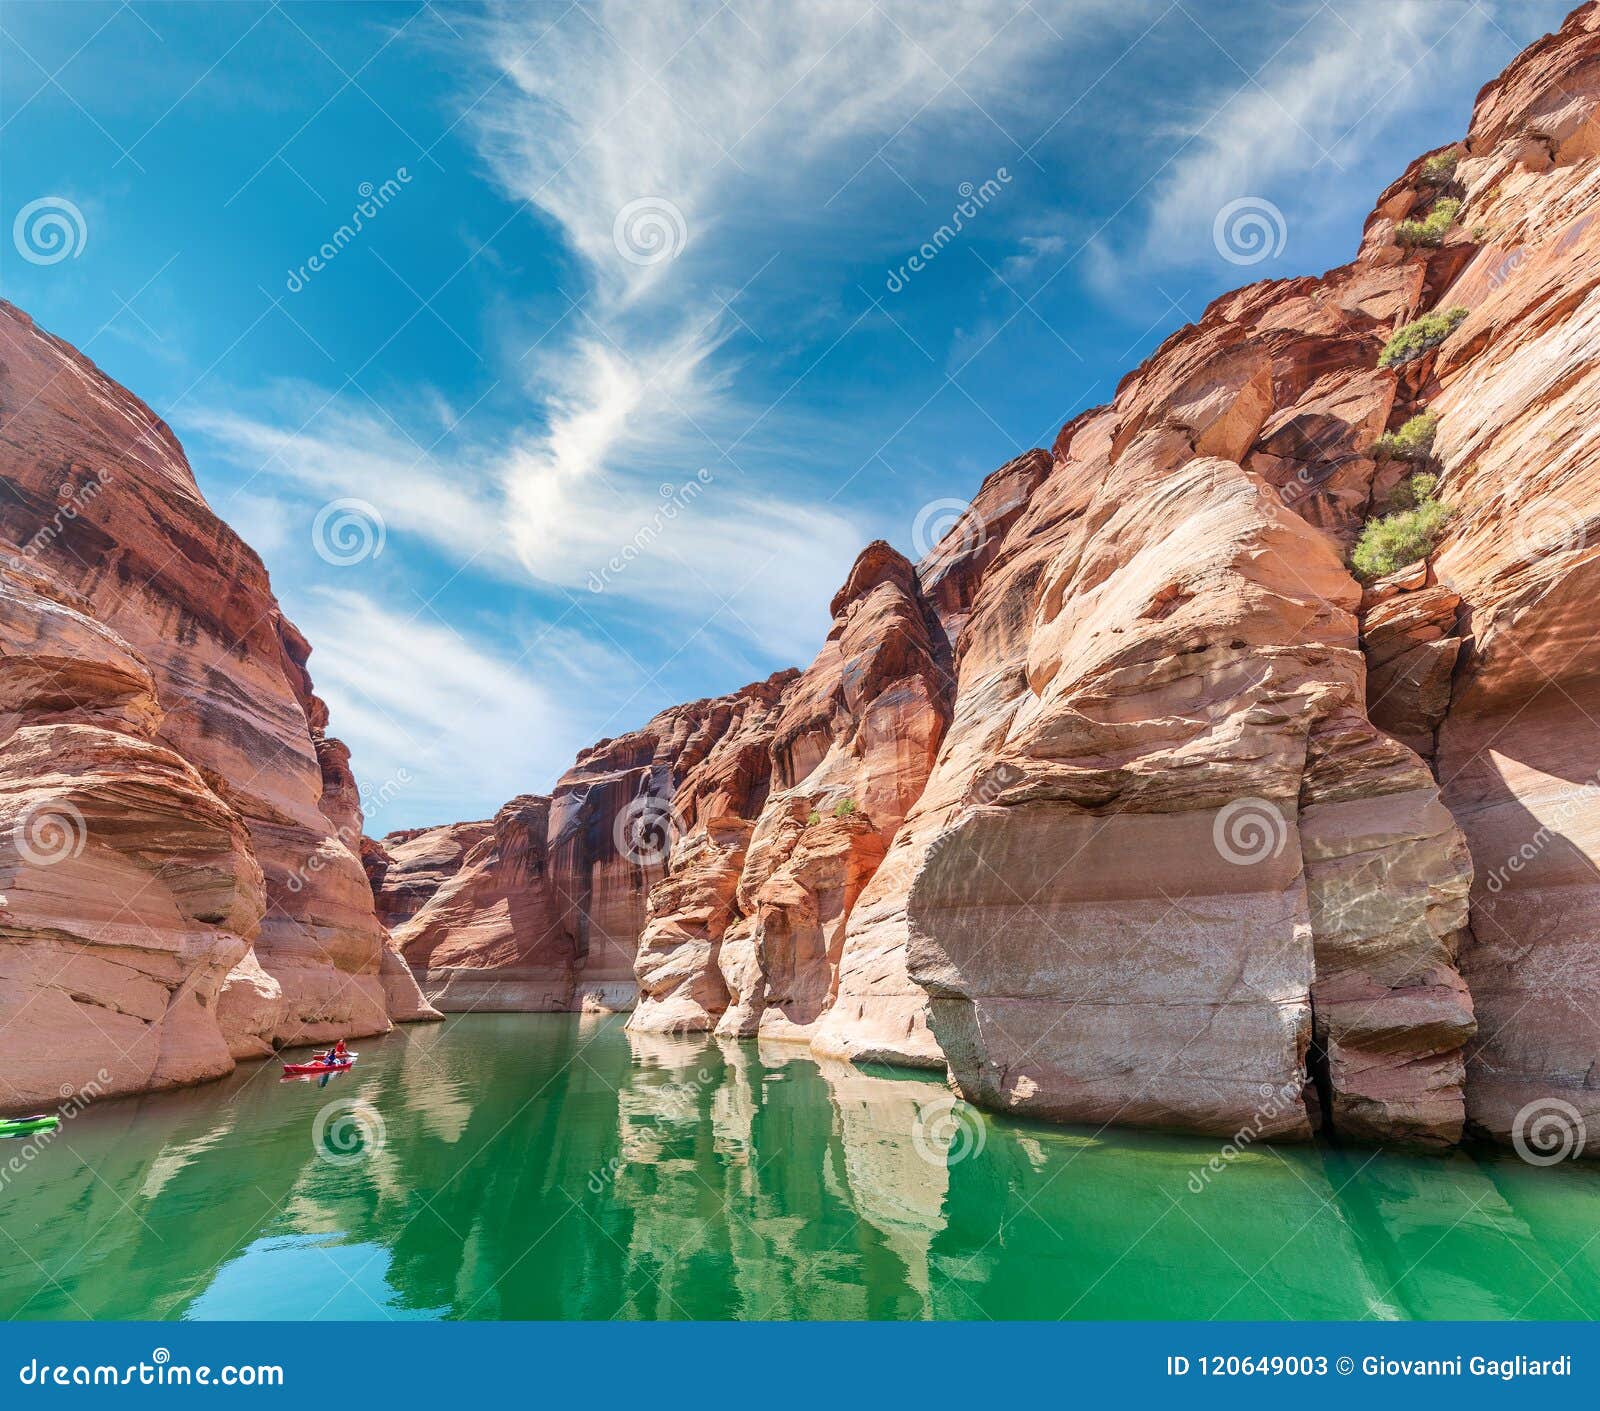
548	1166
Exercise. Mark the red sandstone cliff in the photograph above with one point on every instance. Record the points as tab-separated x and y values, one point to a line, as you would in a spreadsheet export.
1128	804
177	834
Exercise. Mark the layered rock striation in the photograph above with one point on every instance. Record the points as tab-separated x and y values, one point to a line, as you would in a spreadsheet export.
177	832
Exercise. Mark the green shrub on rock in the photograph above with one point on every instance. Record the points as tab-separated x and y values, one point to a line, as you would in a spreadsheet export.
1404	535
844	808
1413	339
1438	169
1412	442
1429	232
1413	493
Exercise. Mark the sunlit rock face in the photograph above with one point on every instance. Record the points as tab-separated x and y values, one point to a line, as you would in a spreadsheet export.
177	834
747	930
1129	803
1133	914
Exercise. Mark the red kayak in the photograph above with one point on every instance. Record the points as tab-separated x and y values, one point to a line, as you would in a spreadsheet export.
297	1070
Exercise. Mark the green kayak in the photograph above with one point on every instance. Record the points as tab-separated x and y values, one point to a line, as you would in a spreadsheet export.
21	1126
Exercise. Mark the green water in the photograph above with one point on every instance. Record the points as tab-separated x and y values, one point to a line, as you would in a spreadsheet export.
543	1166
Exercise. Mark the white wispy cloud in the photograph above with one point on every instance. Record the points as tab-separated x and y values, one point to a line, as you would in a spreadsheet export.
748	122
440	725
319	448
734	129
1336	79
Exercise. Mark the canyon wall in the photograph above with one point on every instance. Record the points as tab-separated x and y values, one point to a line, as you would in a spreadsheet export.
177	834
1128	803
1516	390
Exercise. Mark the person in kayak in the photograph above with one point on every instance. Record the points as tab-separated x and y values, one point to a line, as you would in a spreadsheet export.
339	1053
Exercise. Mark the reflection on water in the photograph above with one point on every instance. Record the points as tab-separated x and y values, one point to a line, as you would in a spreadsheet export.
528	1166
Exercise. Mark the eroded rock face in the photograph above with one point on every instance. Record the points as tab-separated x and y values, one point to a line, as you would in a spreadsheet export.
1410	637
1480	661
1122	926
176	831
479	893
1516	390
1129	804
843	754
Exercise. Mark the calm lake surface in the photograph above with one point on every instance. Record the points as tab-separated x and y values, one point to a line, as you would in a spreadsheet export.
547	1166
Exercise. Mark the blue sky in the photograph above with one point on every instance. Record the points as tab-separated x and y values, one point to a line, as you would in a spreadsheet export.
608	251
